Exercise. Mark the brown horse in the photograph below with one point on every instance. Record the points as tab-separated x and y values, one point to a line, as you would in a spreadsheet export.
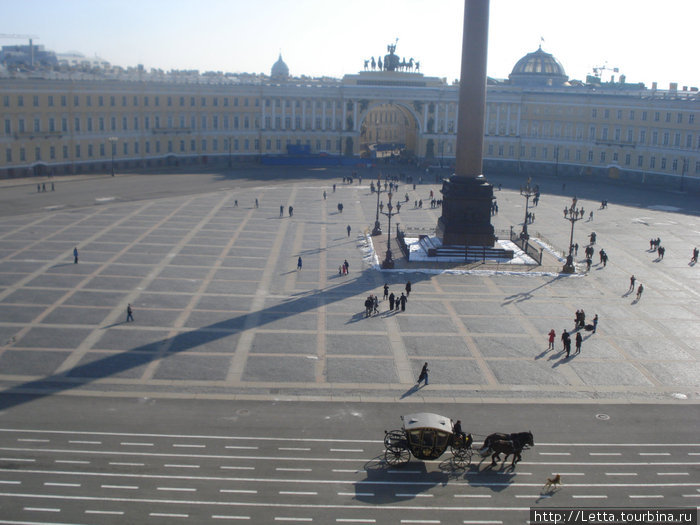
505	447
520	440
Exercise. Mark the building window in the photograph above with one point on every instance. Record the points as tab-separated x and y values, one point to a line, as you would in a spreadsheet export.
136	123
182	146
20	100
278	145
628	159
619	114
631	114
216	101
225	102
6	102
615	157
20	125
193	145
677	140
652	162
578	154
37	125
594	113
490	149
602	156
642	136
246	142
76	124
23	155
37	153
64	124
605	134
52	152
606	114
8	156
654	137
630	135
533	152
8	126
102	150
666	138
50	100
668	117
691	118
77	151
674	165
170	146
697	166
204	102
657	116
136	148
90	150
544	153
663	163
590	155
591	133
89	123
215	145
147	146
618	133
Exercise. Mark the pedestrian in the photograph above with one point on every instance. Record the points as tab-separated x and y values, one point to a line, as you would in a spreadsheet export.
408	288
579	340
632	280
564	337
291	211
346	264
386	291
605	259
349	229
43	186
391	301
281	210
368	305
324	195
595	323
588	264
375	304
299	263
129	313
75	255
552	335
403	300
640	289
576	249
235	203
38	188
601	253
694	258
423	375
53	188
333	188
257	204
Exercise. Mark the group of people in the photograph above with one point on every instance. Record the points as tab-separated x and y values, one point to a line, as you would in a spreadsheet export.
580	322
344	268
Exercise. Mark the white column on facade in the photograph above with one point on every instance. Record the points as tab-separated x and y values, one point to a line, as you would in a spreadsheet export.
262	109
294	114
488	118
508	120
425	117
498	119
273	119
323	116
303	114
334	126
354	115
517	123
446	121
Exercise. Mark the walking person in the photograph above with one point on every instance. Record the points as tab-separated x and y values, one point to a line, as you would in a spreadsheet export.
564	339
346	265
391	301
595	323
291	211
257	204
408	288
386	291
349	230
375	304
129	313
299	263
632	281
640	290
423	376
579	340
552	336
403	300
281	210
75	255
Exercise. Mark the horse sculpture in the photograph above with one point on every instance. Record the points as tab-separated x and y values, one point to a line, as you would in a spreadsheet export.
508	444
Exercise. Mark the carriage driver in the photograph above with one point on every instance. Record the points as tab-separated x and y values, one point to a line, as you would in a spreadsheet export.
457	430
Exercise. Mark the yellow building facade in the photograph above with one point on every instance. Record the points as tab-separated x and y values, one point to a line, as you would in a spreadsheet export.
55	125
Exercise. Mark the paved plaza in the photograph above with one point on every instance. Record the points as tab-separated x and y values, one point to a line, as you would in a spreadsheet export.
221	310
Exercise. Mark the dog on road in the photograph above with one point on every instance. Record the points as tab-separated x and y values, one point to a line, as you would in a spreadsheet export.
553	483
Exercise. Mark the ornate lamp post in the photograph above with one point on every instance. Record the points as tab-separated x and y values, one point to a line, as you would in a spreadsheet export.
377	230
389	260
571	214
527	192
113	147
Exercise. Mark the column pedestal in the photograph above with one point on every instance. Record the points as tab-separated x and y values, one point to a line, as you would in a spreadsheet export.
466	212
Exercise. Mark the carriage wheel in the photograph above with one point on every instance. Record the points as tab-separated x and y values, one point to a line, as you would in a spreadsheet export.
397	456
462	456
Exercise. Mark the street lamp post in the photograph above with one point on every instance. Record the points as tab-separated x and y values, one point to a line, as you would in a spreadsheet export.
377	230
113	147
572	214
527	192
388	260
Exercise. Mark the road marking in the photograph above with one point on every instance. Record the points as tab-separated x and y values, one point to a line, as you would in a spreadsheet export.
404	472
347	471
472	495
53	484
183	445
125	464
283	518
29	440
238	491
645	496
605	453
584	496
167	515
42	509
126	487
654	453
672	474
691	495
420	521
72	461
10	482
112	512
85	442
554	453
347	450
412	495
178	489
298	493
475	522
298	449
355	520
132	444
361	494
241	447
226	467
569	473
224	517
694	453
285	469
533	495
18	459
167	465
620	473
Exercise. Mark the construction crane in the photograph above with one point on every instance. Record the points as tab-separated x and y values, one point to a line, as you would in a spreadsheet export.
598	71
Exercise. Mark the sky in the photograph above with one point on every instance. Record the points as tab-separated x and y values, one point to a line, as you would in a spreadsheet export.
646	40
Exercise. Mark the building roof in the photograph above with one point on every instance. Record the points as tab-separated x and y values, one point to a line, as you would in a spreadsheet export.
279	69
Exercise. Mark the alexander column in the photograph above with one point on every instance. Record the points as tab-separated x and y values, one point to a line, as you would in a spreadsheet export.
467	196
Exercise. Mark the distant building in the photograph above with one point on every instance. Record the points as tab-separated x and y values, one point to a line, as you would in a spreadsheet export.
537	122
27	56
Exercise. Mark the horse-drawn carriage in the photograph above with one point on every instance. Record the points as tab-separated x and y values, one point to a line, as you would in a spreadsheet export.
426	436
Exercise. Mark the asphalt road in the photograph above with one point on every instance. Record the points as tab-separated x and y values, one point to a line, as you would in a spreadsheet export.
105	460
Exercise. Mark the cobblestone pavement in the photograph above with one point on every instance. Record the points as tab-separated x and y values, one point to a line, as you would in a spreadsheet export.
221	311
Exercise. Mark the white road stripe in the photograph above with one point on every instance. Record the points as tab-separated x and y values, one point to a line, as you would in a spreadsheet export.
672	474
355	520
9	482
691	495
42	509
475	522
125	464
642	496
18	459
472	495
605	453
420	521
283	518
297	493
285	469
85	442
403	472
620	473
52	484
183	445
347	450
168	515
167	465
347	471
111	512
412	495
569	473
554	453
125	487
34	440
362	494
238	491
654	453
224	517
241	447
178	489
298	449
132	444
236	468
584	496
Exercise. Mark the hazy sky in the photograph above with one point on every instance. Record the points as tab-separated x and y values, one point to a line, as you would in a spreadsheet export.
647	40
